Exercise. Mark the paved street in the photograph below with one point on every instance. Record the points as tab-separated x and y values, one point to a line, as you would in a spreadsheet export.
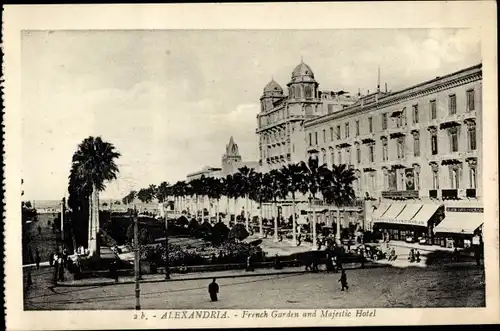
443	286
46	241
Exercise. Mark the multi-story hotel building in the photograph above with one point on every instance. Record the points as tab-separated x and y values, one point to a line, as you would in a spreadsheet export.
416	154
280	121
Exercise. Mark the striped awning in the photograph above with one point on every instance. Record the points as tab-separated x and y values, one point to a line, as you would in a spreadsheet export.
381	209
409	212
425	213
460	222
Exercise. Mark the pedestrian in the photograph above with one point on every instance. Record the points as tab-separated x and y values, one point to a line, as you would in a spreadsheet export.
477	255
37	259
299	239
56	268
249	264
411	256
39	230
277	263
61	269
362	256
113	270
343	281
213	290
417	255
456	254
29	280
51	259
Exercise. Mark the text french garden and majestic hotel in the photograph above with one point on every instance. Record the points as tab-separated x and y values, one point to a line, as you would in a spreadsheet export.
416	152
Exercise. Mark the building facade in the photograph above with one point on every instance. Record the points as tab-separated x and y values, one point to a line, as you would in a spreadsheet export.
280	123
230	163
416	153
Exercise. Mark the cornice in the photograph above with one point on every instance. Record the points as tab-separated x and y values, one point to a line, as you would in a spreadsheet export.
437	85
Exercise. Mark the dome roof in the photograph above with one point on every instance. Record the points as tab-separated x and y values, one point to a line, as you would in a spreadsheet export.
272	86
302	70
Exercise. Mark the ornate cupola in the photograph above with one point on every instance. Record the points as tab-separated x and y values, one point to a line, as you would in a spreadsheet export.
271	94
302	86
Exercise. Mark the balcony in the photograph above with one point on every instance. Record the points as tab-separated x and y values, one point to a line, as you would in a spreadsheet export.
433	194
400	194
470	193
449	194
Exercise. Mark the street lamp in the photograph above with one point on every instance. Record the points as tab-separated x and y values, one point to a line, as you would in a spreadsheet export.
167	267
136	262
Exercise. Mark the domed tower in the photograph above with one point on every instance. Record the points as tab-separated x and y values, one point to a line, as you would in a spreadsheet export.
272	93
302	86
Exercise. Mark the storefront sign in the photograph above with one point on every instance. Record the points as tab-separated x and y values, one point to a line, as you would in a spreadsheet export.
404	222
465	210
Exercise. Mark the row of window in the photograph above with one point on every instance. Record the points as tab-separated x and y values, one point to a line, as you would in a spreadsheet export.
395	180
400	118
400	145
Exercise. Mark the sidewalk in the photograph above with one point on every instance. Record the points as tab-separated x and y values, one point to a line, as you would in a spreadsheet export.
155	278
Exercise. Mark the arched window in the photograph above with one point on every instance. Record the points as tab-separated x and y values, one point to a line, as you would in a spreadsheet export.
308	92
297	91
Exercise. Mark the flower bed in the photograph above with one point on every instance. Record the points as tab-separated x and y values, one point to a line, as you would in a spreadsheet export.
228	252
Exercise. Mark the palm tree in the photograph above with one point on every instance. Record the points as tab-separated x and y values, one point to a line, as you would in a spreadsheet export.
294	177
163	192
260	192
312	176
216	187
246	175
94	163
276	184
341	192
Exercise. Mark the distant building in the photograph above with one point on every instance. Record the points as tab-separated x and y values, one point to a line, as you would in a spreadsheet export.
230	163
207	171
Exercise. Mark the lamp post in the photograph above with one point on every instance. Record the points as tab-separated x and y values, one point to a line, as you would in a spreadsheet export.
167	266
136	262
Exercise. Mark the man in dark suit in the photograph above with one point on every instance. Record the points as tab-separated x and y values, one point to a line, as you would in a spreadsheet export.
213	290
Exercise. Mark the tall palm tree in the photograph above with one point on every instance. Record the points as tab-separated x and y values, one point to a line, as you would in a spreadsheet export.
294	178
163	192
94	161
341	192
312	176
246	175
276	183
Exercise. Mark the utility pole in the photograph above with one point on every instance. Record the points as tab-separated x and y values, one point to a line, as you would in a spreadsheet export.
136	262
167	266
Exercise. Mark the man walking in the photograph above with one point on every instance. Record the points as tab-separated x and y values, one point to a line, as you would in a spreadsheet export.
37	259
213	290
343	281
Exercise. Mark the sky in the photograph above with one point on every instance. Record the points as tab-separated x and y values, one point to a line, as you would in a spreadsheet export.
170	100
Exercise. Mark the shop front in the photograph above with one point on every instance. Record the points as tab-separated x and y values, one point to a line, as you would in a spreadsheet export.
412	222
460	226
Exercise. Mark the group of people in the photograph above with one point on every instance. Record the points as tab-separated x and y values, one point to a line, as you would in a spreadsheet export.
59	261
414	255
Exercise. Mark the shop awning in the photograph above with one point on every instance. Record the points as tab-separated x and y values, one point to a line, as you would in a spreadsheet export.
382	208
463	223
408	213
390	215
425	213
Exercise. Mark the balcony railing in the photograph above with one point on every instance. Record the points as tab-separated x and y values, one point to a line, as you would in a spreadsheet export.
400	194
433	194
449	194
470	193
